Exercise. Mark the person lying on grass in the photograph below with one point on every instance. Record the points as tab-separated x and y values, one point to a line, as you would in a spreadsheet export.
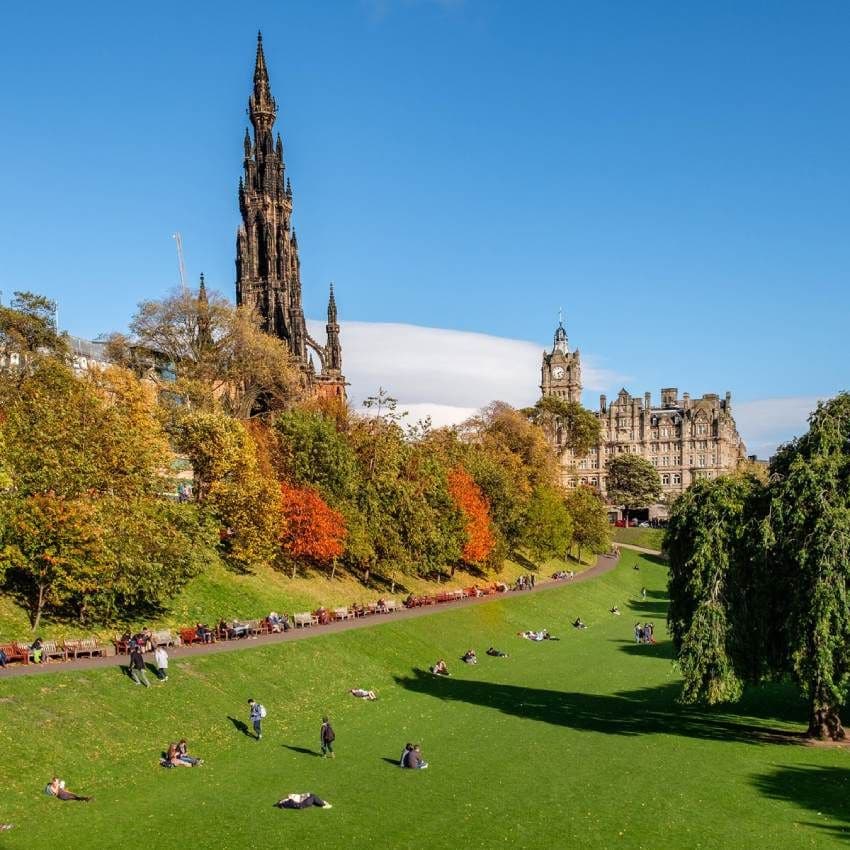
440	669
363	693
413	759
615	611
302	801
496	653
56	788
543	634
469	657
578	623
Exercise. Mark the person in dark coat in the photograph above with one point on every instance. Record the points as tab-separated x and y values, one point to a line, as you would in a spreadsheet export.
137	667
327	738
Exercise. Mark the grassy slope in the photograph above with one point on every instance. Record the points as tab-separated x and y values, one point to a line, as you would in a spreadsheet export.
649	538
571	743
219	593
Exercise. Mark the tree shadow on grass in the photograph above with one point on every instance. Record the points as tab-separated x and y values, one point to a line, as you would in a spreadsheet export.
240	726
305	751
661	649
650	609
822	790
647	711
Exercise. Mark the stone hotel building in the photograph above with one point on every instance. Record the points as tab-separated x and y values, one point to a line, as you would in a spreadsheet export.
685	438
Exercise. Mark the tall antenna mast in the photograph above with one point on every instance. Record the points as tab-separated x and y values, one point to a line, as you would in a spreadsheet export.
179	240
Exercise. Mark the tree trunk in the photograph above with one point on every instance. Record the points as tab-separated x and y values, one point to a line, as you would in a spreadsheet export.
366	575
39	607
824	722
294	568
333	569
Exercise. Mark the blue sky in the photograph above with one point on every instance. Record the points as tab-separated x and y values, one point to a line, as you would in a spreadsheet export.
676	176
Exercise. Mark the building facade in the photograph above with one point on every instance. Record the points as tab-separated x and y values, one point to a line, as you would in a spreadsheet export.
684	438
268	268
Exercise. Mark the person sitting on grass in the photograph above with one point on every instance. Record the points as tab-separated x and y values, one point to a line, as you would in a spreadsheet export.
56	788
496	653
172	758
615	611
363	693
440	669
578	623
183	754
302	801
469	657
3	660
413	759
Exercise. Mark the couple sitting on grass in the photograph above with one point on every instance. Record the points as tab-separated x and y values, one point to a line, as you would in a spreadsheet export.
411	758
177	755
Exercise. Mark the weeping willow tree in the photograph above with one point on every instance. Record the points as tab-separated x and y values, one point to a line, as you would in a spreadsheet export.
810	519
760	573
712	575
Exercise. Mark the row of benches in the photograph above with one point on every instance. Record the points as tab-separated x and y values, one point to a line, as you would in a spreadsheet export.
91	647
54	650
455	595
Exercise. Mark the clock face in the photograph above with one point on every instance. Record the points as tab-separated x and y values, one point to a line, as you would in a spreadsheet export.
558	373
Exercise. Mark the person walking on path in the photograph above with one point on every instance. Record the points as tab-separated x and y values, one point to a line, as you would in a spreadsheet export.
137	667
161	657
327	738
257	712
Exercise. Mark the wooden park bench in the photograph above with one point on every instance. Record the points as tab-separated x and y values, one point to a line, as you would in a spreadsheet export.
305	618
190	636
16	652
50	649
76	647
343	614
258	627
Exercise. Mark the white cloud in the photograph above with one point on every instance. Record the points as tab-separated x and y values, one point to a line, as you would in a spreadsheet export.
766	423
449	374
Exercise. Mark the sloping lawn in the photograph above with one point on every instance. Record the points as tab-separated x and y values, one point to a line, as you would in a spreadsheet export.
648	538
569	743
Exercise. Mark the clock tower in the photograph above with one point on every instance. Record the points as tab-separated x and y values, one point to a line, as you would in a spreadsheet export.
561	372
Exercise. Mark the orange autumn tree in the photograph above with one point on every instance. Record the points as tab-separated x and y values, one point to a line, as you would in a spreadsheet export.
312	531
473	506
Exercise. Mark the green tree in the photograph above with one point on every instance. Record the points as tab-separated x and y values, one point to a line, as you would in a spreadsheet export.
29	326
313	452
71	436
712	544
810	521
50	548
230	485
548	528
591	529
633	482
579	429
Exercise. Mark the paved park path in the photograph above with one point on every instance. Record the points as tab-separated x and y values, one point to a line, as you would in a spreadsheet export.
657	552
604	564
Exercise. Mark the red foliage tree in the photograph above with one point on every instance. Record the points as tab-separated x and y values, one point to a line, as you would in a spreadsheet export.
473	506
312	530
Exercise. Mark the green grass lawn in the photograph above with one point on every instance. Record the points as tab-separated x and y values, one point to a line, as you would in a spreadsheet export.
569	743
649	538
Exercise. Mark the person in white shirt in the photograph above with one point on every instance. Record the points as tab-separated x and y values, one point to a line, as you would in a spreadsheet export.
161	658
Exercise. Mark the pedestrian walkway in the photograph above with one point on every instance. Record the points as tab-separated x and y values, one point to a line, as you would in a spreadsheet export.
642	549
604	564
